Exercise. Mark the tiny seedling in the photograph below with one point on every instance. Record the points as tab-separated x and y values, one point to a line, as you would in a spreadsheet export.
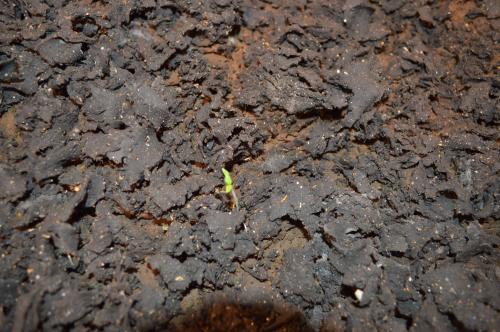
229	187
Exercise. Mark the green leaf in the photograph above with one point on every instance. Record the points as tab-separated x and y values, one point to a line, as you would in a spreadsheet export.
227	180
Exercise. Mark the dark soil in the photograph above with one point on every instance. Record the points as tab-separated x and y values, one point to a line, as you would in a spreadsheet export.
362	136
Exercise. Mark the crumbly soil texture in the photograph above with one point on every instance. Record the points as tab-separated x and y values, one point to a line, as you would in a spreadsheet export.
362	138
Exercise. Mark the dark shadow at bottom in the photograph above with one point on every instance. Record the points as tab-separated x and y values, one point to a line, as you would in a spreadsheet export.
239	312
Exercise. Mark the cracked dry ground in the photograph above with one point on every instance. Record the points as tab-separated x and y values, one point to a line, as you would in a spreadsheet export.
363	138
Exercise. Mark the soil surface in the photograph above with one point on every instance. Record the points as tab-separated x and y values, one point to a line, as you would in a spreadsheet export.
362	138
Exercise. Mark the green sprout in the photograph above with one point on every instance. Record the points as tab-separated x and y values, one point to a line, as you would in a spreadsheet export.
227	180
229	187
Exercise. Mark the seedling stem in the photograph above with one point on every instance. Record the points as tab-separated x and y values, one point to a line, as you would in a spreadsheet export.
229	187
